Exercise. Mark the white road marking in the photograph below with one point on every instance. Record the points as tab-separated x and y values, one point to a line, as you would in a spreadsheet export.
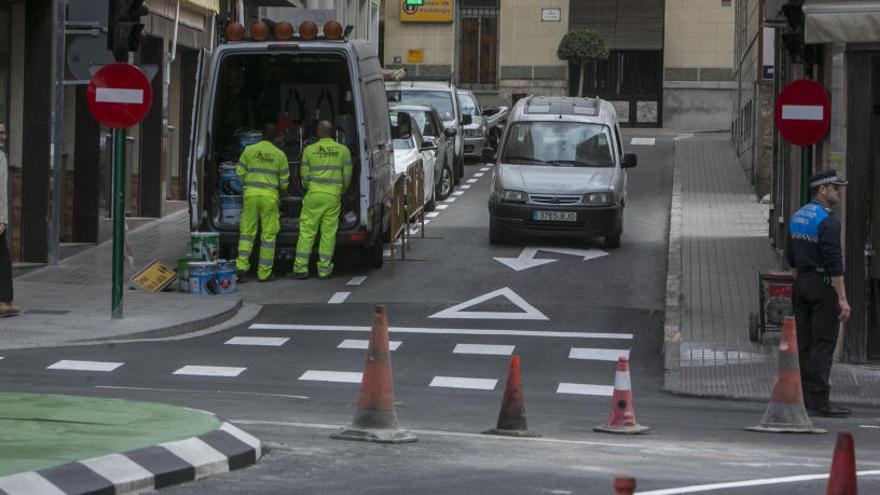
72	365
29	482
213	391
357	280
444	331
593	354
339	298
433	214
451	199
221	371
332	376
119	95
869	426
526	258
465	187
458	193
195	452
243	436
473	181
485	169
463	382
483	349
125	474
585	389
642	141
442	207
264	341
427	221
802	112
529	312
755	482
479	174
363	344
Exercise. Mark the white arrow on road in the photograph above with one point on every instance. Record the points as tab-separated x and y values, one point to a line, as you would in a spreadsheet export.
526	258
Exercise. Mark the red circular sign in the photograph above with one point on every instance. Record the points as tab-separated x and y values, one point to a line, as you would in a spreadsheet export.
803	112
119	95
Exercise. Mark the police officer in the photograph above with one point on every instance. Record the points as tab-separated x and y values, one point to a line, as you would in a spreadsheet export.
264	174
815	257
326	174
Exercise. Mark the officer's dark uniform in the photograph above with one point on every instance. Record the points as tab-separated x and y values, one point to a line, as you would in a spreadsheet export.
814	249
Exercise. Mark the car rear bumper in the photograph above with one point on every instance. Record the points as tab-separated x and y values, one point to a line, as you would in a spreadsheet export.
474	146
519	219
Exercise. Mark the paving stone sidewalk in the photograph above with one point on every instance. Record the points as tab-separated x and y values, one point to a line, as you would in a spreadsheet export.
718	244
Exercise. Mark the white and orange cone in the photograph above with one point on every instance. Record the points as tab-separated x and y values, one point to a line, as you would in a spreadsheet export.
622	418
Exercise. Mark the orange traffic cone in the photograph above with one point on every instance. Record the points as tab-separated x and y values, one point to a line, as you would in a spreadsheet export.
624	486
843	467
375	419
512	417
622	418
786	413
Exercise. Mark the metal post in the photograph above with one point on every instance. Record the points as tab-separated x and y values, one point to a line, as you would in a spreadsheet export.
56	148
118	219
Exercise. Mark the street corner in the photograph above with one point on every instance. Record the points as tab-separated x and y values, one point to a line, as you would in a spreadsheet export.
59	444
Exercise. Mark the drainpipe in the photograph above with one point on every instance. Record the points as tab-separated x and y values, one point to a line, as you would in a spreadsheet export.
168	126
56	146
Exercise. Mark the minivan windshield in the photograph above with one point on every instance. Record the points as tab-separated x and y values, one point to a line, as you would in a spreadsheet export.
468	104
441	100
563	144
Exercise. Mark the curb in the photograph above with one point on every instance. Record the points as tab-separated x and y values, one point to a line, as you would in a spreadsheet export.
150	468
672	321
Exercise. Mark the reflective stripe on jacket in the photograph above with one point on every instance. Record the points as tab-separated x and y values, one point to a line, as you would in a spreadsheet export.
326	167
263	170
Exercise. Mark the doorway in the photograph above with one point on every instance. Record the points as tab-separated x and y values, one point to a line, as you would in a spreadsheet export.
478	45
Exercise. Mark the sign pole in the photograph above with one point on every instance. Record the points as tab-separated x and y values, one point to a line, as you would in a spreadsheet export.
806	171
118	219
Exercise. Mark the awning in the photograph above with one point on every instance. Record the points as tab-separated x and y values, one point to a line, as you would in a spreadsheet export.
212	6
842	21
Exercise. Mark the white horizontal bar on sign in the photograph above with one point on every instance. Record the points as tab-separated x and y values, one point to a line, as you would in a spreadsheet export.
593	354
585	389
462	382
803	112
332	376
484	349
364	344
444	331
221	371
117	95
261	341
72	365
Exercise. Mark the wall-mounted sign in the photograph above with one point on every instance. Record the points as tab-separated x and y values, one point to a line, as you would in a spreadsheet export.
415	56
551	15
768	54
428	11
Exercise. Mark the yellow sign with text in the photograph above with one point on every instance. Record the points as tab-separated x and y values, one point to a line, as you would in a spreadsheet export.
154	277
429	11
415	56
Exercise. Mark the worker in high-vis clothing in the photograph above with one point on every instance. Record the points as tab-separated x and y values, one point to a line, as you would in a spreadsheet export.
264	174
326	175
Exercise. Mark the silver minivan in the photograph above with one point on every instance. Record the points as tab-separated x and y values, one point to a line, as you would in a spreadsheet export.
560	171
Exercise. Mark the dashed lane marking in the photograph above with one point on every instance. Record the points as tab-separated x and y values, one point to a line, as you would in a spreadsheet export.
484	349
364	344
219	371
332	376
433	214
444	331
72	365
339	298
465	187
485	169
593	354
479	174
472	181
458	193
259	341
451	199
442	207
427	222
585	389
642	141
463	382
357	280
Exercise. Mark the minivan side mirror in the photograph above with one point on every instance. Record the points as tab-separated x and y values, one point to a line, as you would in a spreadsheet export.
467	120
630	160
488	155
450	132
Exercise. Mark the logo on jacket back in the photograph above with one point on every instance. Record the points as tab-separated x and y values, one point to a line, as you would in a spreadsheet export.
326	153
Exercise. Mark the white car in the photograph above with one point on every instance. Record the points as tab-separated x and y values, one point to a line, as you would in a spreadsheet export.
410	148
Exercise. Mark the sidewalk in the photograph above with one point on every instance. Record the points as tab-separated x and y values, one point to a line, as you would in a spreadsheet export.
718	242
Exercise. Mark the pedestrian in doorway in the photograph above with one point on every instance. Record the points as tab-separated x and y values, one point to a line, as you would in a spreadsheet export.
264	175
7	308
816	259
326	175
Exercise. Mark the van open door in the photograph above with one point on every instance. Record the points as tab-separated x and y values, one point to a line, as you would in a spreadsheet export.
197	143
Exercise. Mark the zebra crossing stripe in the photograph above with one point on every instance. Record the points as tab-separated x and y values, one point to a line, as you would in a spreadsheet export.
258	341
585	389
484	349
464	382
594	354
73	365
219	371
332	376
364	344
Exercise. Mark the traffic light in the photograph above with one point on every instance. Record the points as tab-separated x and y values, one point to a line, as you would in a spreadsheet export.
124	27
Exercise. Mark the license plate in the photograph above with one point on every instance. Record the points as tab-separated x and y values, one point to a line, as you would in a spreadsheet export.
555	216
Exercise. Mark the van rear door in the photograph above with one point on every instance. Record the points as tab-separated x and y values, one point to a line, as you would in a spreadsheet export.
197	142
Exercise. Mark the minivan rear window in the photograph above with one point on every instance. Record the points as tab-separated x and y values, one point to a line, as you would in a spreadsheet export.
441	100
564	144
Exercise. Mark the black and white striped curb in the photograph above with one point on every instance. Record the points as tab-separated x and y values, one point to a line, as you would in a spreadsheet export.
150	468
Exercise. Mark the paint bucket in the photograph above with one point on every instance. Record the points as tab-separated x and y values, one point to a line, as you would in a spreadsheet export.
230	209
203	277
228	179
183	274
248	138
205	245
225	277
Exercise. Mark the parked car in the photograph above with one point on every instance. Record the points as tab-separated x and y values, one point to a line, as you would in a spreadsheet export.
429	124
442	96
477	132
496	119
561	171
410	148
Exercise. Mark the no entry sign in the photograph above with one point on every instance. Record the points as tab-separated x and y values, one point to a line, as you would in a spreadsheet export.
803	112
119	95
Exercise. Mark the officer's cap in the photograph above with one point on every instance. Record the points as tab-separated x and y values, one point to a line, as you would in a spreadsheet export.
826	178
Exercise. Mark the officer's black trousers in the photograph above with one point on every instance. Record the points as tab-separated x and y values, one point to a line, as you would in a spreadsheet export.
816	312
5	270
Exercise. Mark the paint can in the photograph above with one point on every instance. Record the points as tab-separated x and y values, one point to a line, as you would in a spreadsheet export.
203	277
183	274
205	245
230	209
228	179
248	138
225	276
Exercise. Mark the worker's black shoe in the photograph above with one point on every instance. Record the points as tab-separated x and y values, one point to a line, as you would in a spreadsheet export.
832	410
301	276
270	278
241	277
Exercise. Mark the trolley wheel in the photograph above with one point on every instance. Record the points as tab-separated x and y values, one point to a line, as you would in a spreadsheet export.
754	329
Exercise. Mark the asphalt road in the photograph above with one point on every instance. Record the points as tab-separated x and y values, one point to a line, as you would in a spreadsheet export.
567	320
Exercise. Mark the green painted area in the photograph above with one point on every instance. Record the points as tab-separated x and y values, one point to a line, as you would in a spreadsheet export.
40	431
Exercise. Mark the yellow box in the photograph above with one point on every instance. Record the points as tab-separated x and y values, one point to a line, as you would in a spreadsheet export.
415	56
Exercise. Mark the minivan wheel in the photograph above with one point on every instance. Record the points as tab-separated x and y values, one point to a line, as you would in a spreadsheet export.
446	180
613	241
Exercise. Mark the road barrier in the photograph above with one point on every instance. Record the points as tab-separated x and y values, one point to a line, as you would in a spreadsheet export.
842	480
624	486
622	418
407	207
512	417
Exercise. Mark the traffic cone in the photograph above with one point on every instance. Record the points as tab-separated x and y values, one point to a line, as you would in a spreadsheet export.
622	418
512	417
624	486
375	419
842	480
786	412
